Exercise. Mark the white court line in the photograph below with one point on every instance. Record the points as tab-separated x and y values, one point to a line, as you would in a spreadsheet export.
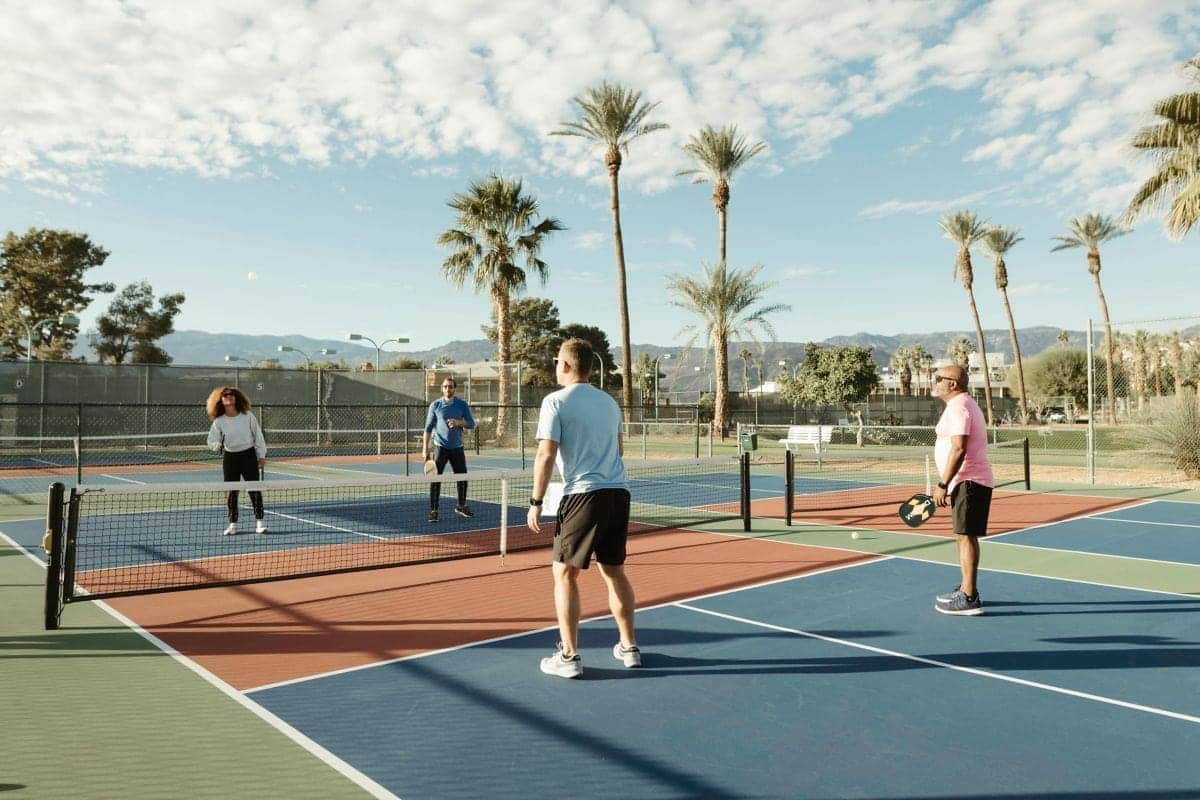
506	637
993	537
323	755
982	673
1147	522
119	478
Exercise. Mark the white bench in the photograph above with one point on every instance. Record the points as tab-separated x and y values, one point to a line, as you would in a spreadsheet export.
815	435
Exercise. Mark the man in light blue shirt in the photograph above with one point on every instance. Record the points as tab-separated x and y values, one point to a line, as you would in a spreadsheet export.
448	417
579	428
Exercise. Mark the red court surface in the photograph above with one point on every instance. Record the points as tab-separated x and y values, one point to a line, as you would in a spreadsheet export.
265	633
875	508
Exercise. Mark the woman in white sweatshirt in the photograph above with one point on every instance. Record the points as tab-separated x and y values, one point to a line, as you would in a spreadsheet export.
236	434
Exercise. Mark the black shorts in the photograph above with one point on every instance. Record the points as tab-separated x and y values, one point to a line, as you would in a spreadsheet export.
593	522
970	503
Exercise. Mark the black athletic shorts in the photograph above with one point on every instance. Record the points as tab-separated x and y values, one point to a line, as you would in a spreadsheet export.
970	503
593	522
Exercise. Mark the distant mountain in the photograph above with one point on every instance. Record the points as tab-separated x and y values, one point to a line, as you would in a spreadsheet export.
678	367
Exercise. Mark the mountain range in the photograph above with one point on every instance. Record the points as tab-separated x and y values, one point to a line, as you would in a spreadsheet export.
201	348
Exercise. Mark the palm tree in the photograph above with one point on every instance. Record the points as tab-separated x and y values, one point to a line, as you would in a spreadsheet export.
965	230
727	303
1063	338
901	363
719	152
613	115
1141	355
745	356
1091	231
1174	141
960	351
998	241
496	226
1177	362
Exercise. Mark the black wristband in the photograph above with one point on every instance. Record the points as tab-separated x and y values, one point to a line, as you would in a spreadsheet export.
942	486
534	502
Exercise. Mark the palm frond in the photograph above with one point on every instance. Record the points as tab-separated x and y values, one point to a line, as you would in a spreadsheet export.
720	152
999	240
964	228
612	115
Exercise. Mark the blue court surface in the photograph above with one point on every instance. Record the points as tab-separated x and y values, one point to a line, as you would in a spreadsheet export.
842	684
1161	530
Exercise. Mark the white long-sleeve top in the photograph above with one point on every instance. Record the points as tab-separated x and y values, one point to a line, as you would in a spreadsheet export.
237	433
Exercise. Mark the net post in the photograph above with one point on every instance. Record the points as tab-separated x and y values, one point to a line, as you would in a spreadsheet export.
644	435
378	443
698	437
710	439
78	444
405	437
1025	462
503	518
789	486
745	491
54	530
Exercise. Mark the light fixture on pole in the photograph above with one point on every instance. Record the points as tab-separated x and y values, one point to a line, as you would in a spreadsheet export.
358	337
68	320
287	348
663	356
601	360
231	359
697	369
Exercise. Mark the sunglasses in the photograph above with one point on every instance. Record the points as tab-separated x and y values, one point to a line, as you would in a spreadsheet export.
940	378
228	394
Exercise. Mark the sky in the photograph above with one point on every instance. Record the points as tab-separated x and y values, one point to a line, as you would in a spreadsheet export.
286	165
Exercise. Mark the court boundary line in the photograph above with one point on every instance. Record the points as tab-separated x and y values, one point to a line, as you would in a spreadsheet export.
868	559
982	673
1148	522
312	747
1089	515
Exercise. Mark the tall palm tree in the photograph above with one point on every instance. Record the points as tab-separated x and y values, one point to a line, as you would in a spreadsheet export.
496	226
1091	231
613	115
998	241
1063	338
965	230
1177	362
960	351
901	363
1174	141
719	152
745	355
727	303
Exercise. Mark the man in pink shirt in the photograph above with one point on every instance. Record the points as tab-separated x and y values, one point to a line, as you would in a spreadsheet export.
964	482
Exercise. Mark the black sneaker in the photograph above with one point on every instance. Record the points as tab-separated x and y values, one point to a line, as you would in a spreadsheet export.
464	511
433	515
960	605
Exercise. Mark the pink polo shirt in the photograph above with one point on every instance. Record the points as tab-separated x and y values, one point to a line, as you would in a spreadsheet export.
963	417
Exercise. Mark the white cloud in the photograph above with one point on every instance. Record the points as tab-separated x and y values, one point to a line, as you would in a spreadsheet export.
890	207
681	239
226	87
1029	289
805	272
588	240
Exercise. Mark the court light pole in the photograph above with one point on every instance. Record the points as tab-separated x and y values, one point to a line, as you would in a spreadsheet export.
710	378
68	319
356	337
287	348
601	360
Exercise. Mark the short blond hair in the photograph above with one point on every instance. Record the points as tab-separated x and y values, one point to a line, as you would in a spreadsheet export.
580	354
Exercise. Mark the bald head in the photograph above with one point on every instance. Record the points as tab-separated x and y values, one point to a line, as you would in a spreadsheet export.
957	373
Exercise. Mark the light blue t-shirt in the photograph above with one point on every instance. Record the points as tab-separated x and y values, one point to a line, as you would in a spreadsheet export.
585	422
435	422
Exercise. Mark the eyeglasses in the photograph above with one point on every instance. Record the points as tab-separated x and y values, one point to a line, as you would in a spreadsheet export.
940	378
228	394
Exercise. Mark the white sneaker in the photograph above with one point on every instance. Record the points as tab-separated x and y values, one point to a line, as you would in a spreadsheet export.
260	526
232	529
560	665
630	656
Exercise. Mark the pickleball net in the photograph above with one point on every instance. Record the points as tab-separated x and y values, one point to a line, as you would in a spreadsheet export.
116	541
851	485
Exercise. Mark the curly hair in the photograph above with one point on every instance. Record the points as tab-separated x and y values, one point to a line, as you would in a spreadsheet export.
216	409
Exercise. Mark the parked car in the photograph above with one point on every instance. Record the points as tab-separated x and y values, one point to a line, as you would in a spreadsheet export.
1054	415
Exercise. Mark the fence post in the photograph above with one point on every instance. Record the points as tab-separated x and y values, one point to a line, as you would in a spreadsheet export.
520	421
405	438
79	444
318	407
1090	458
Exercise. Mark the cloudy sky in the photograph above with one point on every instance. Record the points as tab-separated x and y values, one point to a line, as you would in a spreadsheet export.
315	145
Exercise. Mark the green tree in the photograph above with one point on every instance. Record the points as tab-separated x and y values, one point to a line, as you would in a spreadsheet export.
1174	142
1060	373
612	116
1090	231
728	304
405	362
497	226
598	339
902	362
131	326
965	230
536	336
745	355
719	152
836	376
960	351
1063	338
645	371
998	241
42	278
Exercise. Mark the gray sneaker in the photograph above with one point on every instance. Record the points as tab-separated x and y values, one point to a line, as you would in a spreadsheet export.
464	511
433	515
946	597
560	665
630	656
960	605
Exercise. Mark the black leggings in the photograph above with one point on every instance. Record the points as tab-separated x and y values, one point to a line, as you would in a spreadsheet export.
240	466
457	457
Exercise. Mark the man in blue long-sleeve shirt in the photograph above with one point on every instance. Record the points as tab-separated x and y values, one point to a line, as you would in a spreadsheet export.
448	417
